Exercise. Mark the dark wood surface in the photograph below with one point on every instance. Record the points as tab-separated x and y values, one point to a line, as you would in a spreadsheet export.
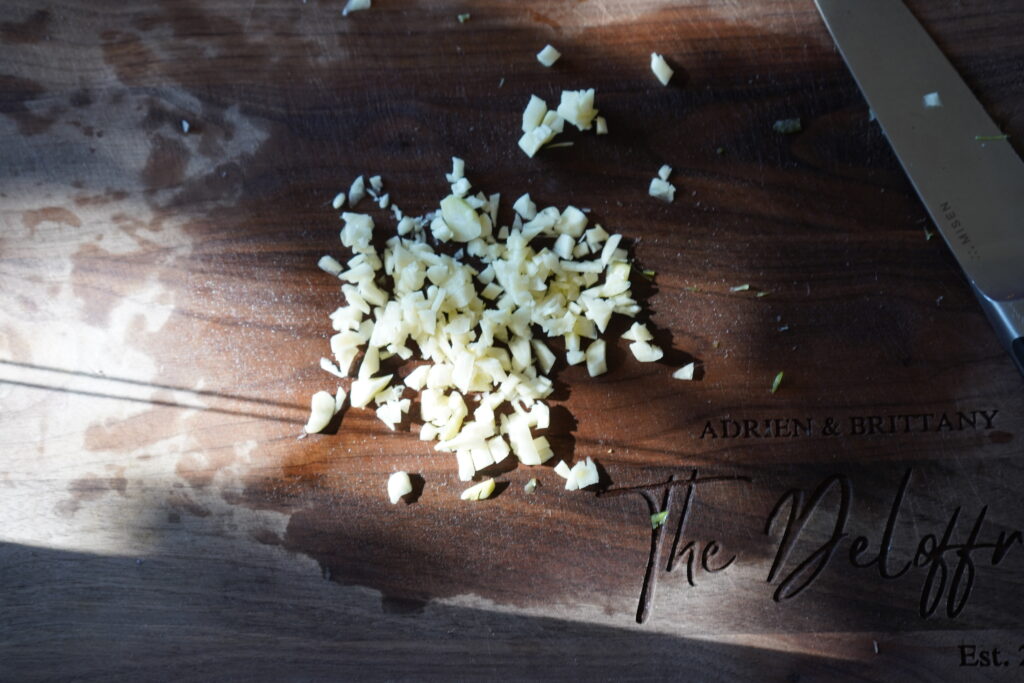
162	316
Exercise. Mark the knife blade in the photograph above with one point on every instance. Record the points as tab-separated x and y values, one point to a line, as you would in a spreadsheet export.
964	170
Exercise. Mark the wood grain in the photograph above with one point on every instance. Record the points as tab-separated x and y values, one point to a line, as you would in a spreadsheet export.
162	316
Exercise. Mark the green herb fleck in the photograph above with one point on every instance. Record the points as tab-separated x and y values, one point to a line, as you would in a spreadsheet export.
463	18
649	274
991	138
761	294
928	234
531	486
776	382
692	288
720	151
739	288
787	126
658	519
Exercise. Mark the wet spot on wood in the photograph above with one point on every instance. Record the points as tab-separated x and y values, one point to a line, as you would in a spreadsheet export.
15	94
89	488
29	31
131	60
129	434
181	502
58	215
80	98
266	537
89	267
165	166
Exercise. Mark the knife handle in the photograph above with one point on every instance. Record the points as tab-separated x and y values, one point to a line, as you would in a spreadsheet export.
1007	317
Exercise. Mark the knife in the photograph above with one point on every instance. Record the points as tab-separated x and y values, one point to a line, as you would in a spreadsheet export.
962	167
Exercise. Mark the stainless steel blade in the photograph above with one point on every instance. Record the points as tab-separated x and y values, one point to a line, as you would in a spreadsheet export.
967	174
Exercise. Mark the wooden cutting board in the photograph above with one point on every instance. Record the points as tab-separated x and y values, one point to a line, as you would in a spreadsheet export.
162	319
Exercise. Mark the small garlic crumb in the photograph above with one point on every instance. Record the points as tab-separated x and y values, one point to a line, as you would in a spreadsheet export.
602	125
357	191
338	201
788	126
355	6
662	189
479	491
399	484
320	413
330	265
661	68
932	100
185	126
685	372
548	56
458	170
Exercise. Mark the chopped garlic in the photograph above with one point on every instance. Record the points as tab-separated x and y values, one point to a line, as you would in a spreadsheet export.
661	68
645	352
534	113
665	171
479	491
357	191
548	56
355	6
461	219
458	170
596	364
660	189
476	324
536	138
417	379
602	125
932	99
577	107
321	412
685	372
553	121
328	366
390	412
399	484
565	472
329	265
363	390
525	207
338	201
530	486
585	474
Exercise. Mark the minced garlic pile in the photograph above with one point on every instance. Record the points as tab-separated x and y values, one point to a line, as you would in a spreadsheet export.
474	316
